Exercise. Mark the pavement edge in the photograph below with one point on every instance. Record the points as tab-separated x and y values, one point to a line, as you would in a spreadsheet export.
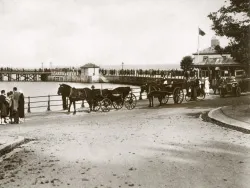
225	122
10	146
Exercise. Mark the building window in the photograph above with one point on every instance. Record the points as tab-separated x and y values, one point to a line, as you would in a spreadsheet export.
205	58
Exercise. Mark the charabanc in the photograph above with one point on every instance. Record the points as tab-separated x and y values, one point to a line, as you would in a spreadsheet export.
164	91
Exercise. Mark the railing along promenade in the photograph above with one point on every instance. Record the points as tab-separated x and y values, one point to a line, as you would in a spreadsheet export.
49	101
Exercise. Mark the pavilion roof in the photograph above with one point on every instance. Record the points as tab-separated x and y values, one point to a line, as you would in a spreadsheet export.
90	65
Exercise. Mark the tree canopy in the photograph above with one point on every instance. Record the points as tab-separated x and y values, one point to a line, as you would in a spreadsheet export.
233	21
186	63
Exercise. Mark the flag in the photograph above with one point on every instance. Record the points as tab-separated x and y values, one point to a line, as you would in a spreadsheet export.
202	33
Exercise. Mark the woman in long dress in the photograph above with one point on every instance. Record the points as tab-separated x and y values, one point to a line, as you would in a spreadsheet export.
207	86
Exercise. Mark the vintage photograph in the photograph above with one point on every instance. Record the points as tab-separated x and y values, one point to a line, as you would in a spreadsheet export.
124	93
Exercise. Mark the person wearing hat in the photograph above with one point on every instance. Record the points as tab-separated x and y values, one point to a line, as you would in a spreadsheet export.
16	95
3	106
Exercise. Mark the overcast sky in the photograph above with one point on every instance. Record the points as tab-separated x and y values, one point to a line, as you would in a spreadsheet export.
75	32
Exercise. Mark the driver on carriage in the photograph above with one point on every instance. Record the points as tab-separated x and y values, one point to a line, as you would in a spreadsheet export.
167	84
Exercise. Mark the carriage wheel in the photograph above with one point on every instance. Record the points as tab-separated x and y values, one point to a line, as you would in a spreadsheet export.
178	95
130	101
117	104
201	95
165	99
188	97
97	106
117	100
106	105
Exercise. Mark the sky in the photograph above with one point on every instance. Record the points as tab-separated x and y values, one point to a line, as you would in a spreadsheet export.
104	32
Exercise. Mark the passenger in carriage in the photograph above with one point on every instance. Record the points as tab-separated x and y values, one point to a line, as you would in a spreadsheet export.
168	85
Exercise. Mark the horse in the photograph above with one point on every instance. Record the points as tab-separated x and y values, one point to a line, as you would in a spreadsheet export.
81	94
64	90
155	90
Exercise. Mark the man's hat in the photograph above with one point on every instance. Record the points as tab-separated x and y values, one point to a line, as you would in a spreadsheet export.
93	87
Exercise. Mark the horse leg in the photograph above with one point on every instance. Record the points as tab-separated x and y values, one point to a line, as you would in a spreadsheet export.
160	100
70	102
83	104
74	103
90	106
149	100
64	102
140	98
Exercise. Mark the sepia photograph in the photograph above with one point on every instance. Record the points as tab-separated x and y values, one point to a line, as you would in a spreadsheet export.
125	93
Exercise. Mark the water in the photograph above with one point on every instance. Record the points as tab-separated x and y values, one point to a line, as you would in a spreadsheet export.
33	89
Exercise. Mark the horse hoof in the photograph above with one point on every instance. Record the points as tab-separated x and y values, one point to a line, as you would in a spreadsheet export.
74	113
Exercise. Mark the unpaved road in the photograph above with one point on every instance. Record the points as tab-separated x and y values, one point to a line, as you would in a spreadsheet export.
157	147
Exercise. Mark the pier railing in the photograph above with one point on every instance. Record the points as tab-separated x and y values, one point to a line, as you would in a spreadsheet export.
54	102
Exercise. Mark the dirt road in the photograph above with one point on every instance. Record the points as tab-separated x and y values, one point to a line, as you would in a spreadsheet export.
167	146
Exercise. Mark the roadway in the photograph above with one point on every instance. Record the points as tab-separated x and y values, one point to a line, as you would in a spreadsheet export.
168	146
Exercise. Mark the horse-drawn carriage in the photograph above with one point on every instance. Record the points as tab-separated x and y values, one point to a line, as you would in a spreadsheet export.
98	99
117	98
163	92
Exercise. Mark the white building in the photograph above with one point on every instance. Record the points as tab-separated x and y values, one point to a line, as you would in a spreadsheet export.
90	72
212	64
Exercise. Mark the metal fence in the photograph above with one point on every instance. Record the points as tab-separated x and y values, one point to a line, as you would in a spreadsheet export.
53	102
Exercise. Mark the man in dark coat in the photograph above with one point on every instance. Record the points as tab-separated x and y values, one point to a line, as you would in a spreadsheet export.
16	95
3	106
21	106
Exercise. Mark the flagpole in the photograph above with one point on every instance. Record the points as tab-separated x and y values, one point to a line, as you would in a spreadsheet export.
198	50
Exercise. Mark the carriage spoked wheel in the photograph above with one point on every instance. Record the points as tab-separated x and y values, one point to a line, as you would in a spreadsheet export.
130	101
106	105
117	104
117	100
178	95
188	97
97	106
165	99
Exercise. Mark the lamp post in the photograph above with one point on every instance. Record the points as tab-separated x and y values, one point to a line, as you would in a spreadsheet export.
122	65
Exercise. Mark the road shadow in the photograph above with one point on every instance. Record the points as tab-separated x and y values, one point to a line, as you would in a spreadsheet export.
215	164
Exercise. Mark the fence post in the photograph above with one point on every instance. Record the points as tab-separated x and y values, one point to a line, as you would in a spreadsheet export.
28	104
48	108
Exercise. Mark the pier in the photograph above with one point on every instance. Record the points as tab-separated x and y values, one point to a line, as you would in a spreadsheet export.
24	75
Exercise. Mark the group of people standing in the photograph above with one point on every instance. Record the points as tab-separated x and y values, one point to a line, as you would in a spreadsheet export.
197	86
12	106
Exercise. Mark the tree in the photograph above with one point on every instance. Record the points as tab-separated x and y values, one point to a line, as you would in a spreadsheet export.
186	63
233	21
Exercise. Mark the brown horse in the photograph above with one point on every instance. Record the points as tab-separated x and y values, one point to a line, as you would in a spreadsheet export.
154	90
79	95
